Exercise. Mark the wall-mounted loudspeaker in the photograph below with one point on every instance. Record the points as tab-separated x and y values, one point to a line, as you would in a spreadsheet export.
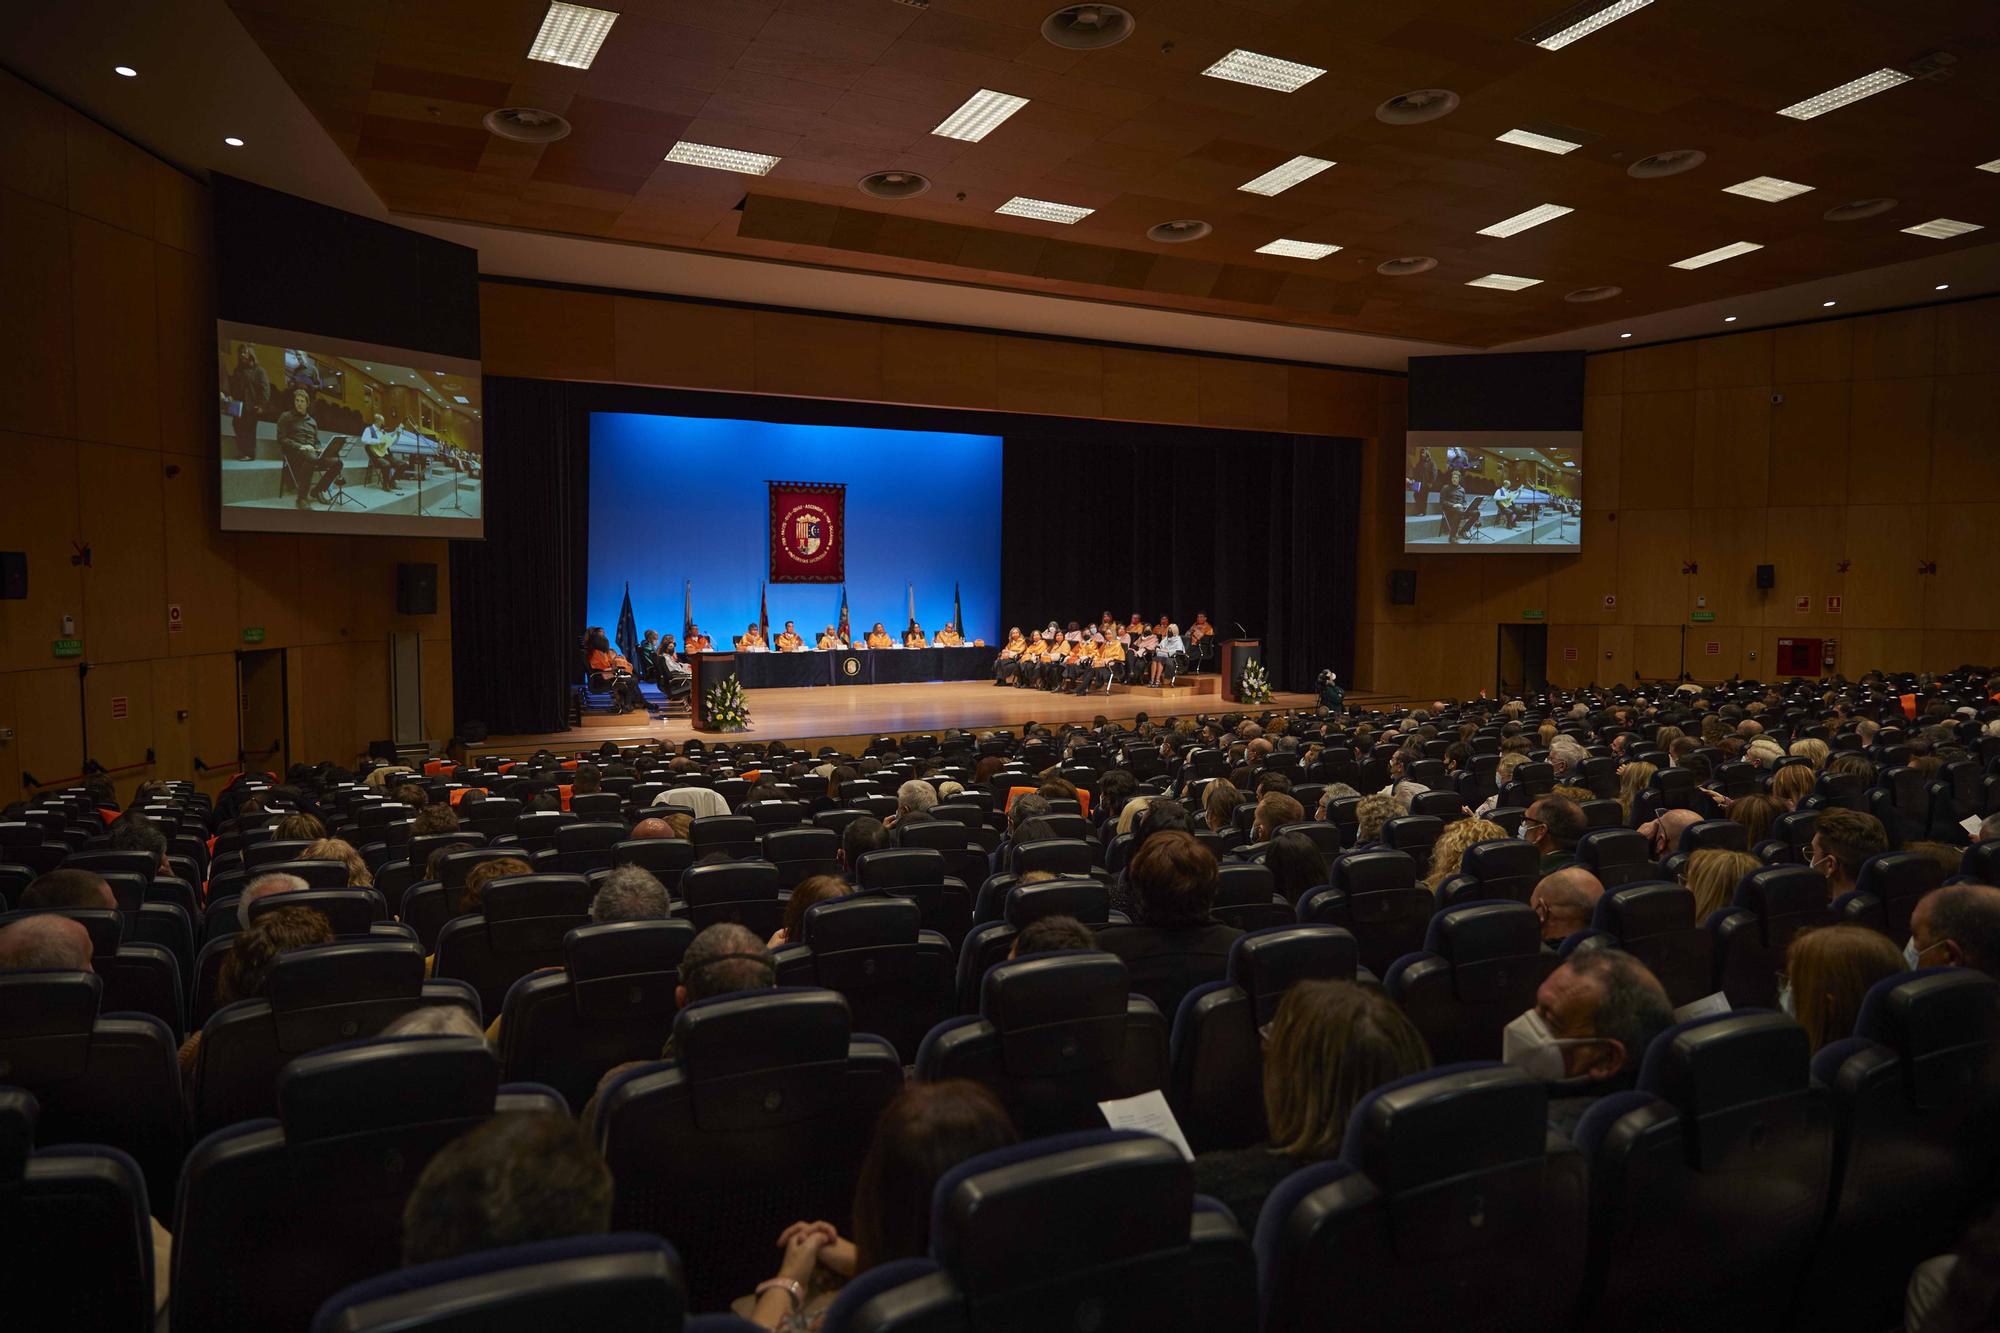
416	589
13	575
1403	587
1767	576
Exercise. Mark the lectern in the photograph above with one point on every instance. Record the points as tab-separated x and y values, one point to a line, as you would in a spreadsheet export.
1237	654
705	670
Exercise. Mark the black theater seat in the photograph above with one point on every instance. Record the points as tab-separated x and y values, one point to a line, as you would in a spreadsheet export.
1479	969
1752	934
1374	896
895	975
1497	869
1655	924
519	927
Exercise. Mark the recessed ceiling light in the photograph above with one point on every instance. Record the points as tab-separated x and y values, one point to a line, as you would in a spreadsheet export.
1406	266
1943	286
1826	305
1259	71
1285	175
980	116
1770	189
1943	229
1993	166
1503	282
1580	21
1717	255
1854	210
1298	249
572	34
1729	319
1520	222
895	184
1670	163
1043	211
721	159
233	141
1547	143
125	71
1178	231
460	398
1417	107
1584	295
1088	27
1852	91
1624	335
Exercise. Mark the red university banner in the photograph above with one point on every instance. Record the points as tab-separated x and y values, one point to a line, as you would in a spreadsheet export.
808	532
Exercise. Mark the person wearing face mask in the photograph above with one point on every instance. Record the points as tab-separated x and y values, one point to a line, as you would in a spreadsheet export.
1956	926
1842	840
1827	972
1588	1032
1553	825
1564	901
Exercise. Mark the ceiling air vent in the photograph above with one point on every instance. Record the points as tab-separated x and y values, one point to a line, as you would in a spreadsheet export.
895	184
1584	294
1856	209
1414	108
1088	27
1404	267
1179	231
1670	163
915	4
527	124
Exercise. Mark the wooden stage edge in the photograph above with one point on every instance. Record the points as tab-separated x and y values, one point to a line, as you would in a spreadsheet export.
848	717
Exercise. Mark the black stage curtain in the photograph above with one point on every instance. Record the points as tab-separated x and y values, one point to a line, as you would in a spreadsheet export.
1257	529
517	598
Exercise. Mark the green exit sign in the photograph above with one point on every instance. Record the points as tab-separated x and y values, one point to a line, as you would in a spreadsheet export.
1533	615
254	634
67	647
1701	617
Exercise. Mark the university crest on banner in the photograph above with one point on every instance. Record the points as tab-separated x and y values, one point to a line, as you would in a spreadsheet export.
808	532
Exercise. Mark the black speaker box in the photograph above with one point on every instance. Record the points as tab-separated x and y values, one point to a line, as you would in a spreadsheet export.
13	576
1403	587
1767	576
416	589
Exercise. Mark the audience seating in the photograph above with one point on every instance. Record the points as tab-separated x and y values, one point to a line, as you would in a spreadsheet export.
1246	897
1499	868
1376	898
745	892
1617	856
1753	933
1655	923
1479	969
800	852
519	927
1449	1207
138	977
1415	834
1217	1086
918	874
895	974
1886	891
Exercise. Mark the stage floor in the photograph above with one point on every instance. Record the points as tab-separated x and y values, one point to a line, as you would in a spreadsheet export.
827	715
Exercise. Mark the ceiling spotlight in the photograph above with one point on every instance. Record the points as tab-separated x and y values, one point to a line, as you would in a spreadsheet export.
1852	91
1770	189
1520	222
721	159
1547	143
895	184
1298	249
1729	319
982	113
1624	335
1259	71
1826	305
1943	229
125	71
1943	286
1580	21
1504	282
233	141
1717	255
571	35
1179	231
1043	211
1406	266
1856	209
1286	174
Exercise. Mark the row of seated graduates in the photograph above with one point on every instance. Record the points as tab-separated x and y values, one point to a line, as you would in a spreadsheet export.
1337	956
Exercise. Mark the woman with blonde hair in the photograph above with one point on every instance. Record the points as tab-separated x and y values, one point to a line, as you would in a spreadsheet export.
1756	813
1330	1044
1219	800
341	850
1792	784
1664	738
1633	778
1827	973
1763	752
1811	749
1450	847
1712	875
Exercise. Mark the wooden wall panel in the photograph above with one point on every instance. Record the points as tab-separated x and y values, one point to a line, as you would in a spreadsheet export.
200	565
1968	337
115	334
1726	546
1961	595
1740	359
119	742
1655	461
1885	544
1652	547
1809	444
1897	345
1889	443
37	357
38	514
940	367
1603	452
187	369
816	357
1152	386
1652	369
1333	402
34	153
1732	444
681	343
1814	353
1249	394
10	764
120	517
267	586
1965	439
48	723
1656	650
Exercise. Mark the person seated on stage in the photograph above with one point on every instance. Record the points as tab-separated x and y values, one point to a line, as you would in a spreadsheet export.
673	675
375	439
1453	499
914	636
1135	628
1139	651
697	642
298	440
789	640
830	641
1008	664
1028	669
1198	636
1081	661
752	640
1052	633
1110	657
647	661
1167	654
879	637
948	637
1503	496
611	671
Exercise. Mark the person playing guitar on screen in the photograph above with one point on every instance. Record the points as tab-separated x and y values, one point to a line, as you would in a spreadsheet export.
1504	496
376	442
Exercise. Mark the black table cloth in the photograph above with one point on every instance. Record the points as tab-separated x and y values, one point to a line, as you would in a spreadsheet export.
879	666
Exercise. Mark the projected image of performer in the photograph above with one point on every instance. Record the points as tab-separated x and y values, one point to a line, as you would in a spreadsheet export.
298	439
375	439
248	394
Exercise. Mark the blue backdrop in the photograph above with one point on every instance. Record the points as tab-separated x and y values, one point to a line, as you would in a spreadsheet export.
674	498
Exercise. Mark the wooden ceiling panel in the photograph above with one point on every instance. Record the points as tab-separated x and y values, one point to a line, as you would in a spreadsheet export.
842	88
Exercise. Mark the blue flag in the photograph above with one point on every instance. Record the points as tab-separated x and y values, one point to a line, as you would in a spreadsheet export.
958	613
628	629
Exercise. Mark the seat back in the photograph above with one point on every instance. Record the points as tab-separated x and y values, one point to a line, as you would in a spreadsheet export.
733	835
1892	883
760	1118
1415	834
1617	856
1246	897
1479	969
1375	897
800	852
922	875
896	975
665	858
1654	922
746	892
1505	868
1217	1086
1058	856
520	926
1709	1181
1726	834
1055	1035
613	1001
1772	904
1444	1180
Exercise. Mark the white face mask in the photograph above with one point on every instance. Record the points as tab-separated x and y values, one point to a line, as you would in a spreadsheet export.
1529	1046
1785	1000
1911	953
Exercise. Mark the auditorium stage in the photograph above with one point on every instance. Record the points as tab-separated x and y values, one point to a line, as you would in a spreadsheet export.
849	718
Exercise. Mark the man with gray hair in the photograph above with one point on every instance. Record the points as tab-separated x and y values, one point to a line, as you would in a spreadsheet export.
436	1020
46	941
262	886
630	893
914	795
1566	755
1588	1032
1564	901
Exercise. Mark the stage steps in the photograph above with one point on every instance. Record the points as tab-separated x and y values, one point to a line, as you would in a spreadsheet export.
1187	687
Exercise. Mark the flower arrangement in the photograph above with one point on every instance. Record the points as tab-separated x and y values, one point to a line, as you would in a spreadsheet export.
1255	686
728	707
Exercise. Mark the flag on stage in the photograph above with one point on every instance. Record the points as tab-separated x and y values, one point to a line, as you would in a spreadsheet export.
845	635
913	605
687	612
628	629
763	614
957	611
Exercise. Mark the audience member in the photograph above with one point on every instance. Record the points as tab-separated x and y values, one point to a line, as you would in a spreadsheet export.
45	941
299	828
1956	926
1329	1045
263	886
1370	814
339	849
133	832
1219	800
436	1020
1588	1032
1843	839
807	892
914	795
1712	874
1564	900
1633	779
1756	813
1448	852
1052	934
629	893
1296	864
67	888
1553	825
434	819
1663	835
1828	971
1274	811
1792	784
472	897
519	1177
246	971
1176	944
862	836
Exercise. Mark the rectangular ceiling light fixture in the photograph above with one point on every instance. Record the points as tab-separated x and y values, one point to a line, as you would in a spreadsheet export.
1943	229
571	35
1580	21
980	116
1993	166
1852	91
1717	255
1043	211
1534	217
1298	249
721	159
1547	143
1284	176
1503	282
1768	188
1284	76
